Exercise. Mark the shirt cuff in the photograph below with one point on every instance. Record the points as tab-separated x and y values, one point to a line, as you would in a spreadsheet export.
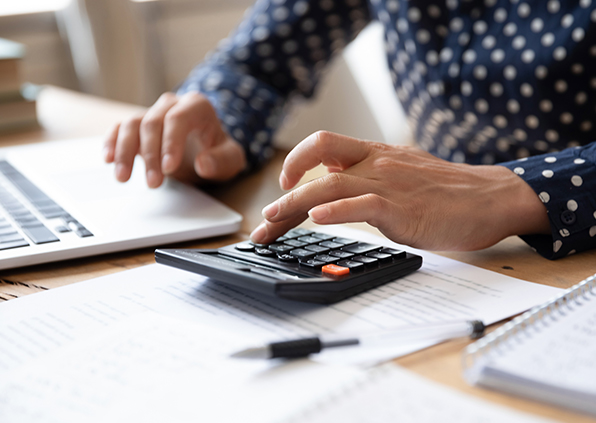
566	183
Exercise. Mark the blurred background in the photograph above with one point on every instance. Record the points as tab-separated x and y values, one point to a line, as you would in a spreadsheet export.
133	50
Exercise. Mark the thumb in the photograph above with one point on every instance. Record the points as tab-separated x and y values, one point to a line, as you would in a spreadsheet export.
221	162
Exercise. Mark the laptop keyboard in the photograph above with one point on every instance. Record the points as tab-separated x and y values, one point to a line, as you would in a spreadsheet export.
23	226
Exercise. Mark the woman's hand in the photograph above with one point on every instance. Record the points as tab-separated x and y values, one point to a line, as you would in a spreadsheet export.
411	196
178	136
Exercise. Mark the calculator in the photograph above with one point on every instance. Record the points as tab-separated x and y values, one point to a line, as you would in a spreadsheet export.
302	265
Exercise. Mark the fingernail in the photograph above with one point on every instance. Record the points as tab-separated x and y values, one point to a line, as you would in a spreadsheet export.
207	165
167	164
283	180
271	210
153	179
319	213
259	233
121	172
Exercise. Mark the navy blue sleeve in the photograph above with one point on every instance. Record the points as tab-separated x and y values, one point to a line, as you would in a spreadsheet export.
566	184
276	54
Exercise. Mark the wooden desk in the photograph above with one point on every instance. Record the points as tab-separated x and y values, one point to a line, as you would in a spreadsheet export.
64	114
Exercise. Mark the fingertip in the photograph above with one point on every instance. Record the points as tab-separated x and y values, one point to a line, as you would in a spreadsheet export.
207	167
154	178
168	164
259	234
122	172
108	154
283	180
319	214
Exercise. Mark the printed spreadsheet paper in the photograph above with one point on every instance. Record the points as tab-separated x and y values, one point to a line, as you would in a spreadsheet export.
391	394
37	332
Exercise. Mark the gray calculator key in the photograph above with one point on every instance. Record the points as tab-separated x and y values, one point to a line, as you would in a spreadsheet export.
394	253
341	254
309	239
316	248
281	248
312	263
302	253
352	265
366	260
361	248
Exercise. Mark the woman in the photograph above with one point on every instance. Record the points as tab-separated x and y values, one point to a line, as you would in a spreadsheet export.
482	82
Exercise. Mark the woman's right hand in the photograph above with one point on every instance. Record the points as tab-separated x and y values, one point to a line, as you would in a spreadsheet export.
179	136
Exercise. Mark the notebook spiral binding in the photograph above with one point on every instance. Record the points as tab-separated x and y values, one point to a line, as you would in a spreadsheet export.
497	340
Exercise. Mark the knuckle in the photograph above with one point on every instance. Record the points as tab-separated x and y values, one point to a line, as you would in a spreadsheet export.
167	96
334	181
175	115
151	124
322	137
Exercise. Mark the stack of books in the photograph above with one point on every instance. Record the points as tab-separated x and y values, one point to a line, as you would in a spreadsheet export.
17	107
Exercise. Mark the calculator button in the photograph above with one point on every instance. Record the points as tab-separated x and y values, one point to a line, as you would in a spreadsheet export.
345	241
302	253
265	252
280	248
281	239
394	253
331	244
287	258
361	248
366	260
322	236
296	232
341	254
316	248
334	269
260	245
295	243
353	265
383	257
309	239
246	247
326	258
312	263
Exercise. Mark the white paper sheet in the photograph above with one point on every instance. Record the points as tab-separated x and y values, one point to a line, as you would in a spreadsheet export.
390	394
37	332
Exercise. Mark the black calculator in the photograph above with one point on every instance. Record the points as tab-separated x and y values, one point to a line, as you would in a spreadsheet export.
302	265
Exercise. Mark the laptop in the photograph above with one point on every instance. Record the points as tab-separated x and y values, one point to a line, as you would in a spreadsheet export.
59	200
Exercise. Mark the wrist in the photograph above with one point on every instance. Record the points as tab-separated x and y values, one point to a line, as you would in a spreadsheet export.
523	211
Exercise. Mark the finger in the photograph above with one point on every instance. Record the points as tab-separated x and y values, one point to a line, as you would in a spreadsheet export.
192	112
370	208
221	162
109	146
331	187
151	131
332	150
127	147
267	232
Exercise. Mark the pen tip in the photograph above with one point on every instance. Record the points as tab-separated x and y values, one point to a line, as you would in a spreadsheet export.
253	353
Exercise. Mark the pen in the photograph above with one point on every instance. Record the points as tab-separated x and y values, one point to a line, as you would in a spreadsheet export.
306	346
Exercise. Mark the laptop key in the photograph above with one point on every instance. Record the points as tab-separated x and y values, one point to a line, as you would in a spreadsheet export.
13	244
40	234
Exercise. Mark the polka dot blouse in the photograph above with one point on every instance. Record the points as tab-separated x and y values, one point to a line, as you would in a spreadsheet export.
494	81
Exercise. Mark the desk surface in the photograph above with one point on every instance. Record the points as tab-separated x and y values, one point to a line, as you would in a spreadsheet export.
65	114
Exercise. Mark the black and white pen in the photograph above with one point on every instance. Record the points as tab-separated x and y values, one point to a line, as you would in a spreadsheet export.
306	346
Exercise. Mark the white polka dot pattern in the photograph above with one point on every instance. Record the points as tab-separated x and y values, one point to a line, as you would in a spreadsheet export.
481	81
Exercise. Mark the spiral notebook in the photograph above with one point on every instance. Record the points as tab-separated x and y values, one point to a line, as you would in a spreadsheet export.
547	354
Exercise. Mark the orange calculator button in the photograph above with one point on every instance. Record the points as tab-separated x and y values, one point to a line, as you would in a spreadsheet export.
334	269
